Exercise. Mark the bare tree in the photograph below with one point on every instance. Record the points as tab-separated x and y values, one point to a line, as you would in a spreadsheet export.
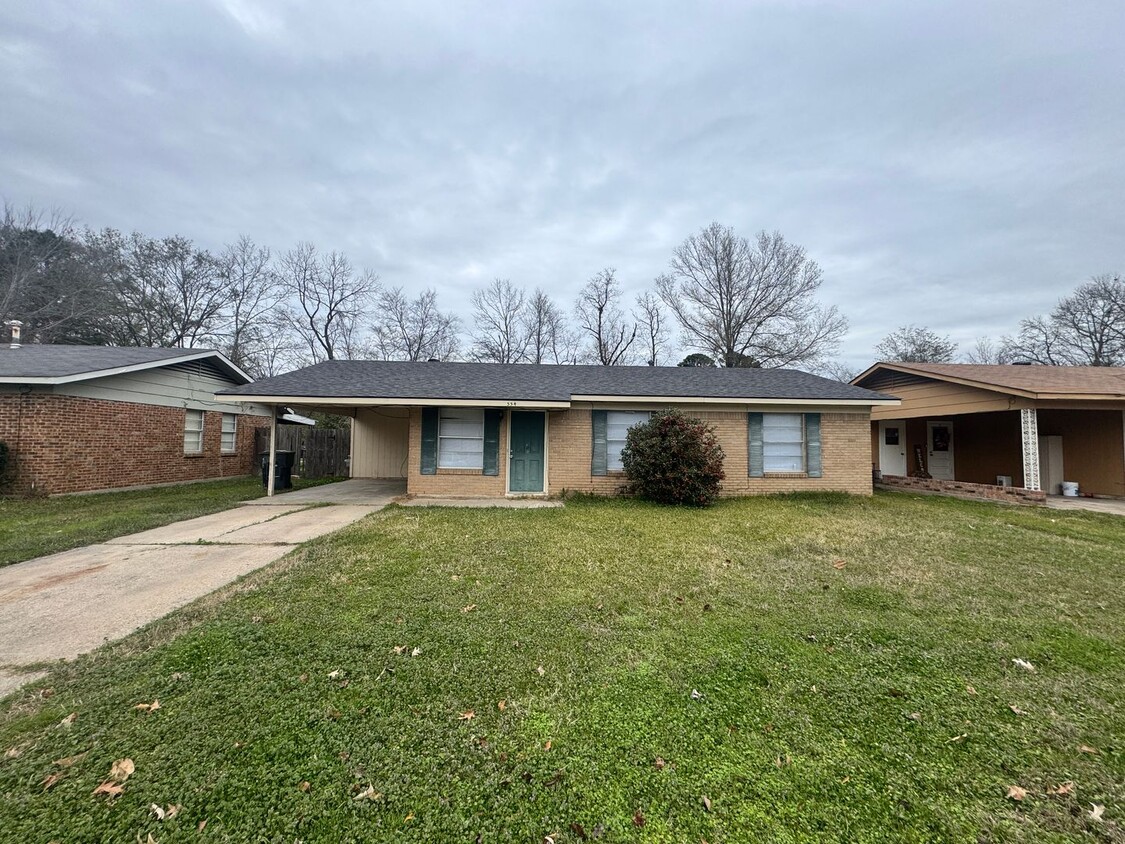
609	336
546	329
253	288
166	291
48	279
985	351
414	329
501	332
1086	328
653	326
916	344
838	370
329	297
749	304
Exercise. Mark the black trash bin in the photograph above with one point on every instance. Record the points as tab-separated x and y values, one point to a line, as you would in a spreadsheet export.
283	474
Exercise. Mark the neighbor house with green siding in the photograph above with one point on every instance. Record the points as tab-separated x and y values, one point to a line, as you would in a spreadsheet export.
494	430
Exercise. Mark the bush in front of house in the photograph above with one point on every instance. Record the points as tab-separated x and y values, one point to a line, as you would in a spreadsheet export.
673	459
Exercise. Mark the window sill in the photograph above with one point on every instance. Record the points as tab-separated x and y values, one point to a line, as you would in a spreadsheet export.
232	453
785	475
193	454
442	471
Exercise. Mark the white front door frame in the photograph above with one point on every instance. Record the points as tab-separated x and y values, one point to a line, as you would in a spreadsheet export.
892	458
945	465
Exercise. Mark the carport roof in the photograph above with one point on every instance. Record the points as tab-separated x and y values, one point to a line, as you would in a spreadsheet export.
1030	381
547	384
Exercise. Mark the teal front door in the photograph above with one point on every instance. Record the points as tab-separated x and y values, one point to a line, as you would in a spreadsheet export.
525	462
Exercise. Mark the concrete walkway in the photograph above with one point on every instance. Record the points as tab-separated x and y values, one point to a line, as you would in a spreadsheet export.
63	605
1095	505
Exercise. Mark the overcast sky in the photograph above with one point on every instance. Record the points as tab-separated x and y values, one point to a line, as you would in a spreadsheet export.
956	164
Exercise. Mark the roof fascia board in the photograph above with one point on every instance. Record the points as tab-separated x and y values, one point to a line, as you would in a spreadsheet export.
123	370
744	400
357	401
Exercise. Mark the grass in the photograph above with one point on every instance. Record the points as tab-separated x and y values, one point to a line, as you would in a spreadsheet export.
32	527
869	702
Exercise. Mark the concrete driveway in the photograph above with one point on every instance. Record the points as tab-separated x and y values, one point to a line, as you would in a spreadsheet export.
63	605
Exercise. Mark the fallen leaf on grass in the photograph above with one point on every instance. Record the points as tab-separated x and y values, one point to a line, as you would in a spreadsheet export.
915	716
161	813
467	716
149	840
51	780
13	752
1016	709
706	802
368	793
501	705
400	648
579	831
67	761
108	788
1063	788
957	739
68	720
1085	748
659	763
332	675
781	762
1024	664
1016	793
540	671
202	825
121	770
1096	811
696	694
304	786
638	819
416	652
409	817
469	608
148	707
838	564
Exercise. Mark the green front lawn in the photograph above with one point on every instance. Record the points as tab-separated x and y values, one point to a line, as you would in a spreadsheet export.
807	668
32	527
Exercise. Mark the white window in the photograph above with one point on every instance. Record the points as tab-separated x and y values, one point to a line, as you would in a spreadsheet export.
618	422
230	433
461	438
193	431
783	442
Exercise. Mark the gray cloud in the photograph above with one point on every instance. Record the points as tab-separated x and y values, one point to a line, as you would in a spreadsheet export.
957	165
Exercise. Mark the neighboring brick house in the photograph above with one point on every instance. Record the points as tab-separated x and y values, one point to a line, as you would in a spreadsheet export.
966	427
82	418
493	430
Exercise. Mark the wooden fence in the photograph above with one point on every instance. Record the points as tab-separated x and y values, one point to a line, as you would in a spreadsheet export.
321	452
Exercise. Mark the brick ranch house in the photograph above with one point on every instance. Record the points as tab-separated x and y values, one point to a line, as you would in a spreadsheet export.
495	430
83	418
967	425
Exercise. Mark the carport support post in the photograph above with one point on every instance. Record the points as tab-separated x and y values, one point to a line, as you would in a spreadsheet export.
273	452
1029	435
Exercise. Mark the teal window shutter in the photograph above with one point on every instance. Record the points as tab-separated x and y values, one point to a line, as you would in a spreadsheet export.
492	442
812	445
598	460
429	440
756	457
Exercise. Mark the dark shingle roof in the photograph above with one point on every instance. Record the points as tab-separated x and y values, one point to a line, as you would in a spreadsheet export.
528	382
47	361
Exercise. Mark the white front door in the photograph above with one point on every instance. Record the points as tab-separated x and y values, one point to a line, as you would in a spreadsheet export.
939	442
892	447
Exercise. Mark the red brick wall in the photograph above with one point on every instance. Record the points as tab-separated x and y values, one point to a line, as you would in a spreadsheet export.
965	489
68	444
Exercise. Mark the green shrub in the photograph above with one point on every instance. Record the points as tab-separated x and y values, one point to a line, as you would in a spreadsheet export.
673	459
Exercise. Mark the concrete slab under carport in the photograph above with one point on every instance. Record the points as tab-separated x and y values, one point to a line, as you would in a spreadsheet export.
375	492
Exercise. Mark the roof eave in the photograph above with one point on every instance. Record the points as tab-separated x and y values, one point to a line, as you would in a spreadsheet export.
373	401
940	376
225	362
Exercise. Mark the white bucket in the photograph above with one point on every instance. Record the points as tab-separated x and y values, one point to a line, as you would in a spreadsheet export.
1070	489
